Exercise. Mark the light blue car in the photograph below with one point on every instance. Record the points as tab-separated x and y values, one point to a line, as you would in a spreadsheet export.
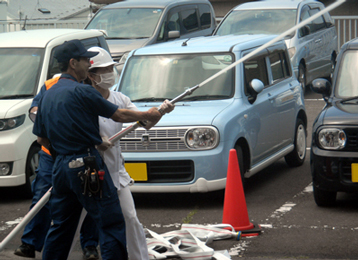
256	108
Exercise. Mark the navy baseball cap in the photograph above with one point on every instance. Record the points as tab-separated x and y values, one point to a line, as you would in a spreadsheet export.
73	49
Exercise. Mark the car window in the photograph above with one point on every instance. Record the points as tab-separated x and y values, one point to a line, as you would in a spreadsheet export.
318	23
205	16
165	72
268	21
347	79
19	70
127	23
255	68
190	20
279	66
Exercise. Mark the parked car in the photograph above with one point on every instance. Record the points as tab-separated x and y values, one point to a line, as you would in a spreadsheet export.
334	156
131	24
256	108
26	63
313	48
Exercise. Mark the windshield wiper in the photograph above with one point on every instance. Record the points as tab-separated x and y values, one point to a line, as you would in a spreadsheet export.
344	100
125	38
16	96
205	97
149	99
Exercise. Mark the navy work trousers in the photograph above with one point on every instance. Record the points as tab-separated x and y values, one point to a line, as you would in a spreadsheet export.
66	204
36	230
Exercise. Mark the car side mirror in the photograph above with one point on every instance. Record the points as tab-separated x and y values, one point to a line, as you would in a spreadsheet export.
173	34
322	86
305	30
255	87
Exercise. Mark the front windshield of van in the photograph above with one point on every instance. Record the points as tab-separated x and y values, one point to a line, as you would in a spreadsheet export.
347	80
156	78
127	23
264	21
19	71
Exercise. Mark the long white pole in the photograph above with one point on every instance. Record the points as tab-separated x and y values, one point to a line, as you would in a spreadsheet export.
35	209
134	126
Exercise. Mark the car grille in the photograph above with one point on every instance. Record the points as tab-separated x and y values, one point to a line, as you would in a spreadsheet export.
160	140
169	171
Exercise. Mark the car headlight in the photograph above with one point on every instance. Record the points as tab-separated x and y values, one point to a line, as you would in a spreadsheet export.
123	58
11	123
291	52
202	138
332	138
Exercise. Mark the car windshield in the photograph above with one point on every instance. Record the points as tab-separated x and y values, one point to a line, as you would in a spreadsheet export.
266	21
155	78
19	71
126	23
347	80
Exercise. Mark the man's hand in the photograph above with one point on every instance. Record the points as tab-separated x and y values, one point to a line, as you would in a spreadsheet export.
166	107
153	116
105	144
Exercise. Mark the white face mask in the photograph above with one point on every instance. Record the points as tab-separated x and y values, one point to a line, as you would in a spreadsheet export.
107	80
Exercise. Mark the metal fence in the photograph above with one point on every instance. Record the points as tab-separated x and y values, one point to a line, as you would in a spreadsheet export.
347	26
45	24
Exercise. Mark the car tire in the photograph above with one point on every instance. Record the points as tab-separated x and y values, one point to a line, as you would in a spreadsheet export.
298	155
302	76
240	158
32	162
324	198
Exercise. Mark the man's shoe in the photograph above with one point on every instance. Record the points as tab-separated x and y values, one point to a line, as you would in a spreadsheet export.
25	250
90	253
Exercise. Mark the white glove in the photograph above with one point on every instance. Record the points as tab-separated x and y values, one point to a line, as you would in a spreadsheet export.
166	107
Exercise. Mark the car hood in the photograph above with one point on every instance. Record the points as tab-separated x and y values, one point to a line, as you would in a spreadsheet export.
190	113
118	47
341	114
9	108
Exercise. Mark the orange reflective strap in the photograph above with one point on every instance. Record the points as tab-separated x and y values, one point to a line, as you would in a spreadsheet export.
43	148
50	82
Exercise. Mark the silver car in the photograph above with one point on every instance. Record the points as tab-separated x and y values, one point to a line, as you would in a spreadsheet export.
313	48
132	24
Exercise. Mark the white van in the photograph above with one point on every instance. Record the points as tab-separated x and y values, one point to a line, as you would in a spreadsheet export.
26	63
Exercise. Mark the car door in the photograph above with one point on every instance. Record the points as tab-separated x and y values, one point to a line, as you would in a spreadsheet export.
284	95
261	125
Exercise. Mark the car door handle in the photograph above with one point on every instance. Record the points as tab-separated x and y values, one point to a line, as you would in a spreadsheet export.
318	41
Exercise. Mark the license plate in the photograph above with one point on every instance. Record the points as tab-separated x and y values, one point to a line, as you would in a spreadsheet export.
137	171
354	170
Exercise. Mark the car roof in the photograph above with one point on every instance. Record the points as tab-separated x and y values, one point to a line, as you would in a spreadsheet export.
353	44
41	37
209	44
152	3
273	4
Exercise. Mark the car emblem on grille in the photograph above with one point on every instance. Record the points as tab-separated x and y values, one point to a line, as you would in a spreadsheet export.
145	140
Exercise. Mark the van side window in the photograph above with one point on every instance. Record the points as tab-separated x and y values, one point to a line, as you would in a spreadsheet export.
318	23
205	16
255	69
279	66
190	20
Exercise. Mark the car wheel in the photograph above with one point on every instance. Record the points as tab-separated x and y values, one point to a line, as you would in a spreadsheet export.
302	76
324	198
298	155
240	158
32	163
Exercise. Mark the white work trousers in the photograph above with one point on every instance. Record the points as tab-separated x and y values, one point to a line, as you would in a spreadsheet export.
136	242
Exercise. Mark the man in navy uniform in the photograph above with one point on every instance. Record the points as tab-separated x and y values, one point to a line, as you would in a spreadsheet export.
67	124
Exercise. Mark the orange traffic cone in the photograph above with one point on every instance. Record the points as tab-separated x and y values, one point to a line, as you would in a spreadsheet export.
235	210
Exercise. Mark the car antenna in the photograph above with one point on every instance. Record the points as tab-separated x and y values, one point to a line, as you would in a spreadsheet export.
24	27
184	43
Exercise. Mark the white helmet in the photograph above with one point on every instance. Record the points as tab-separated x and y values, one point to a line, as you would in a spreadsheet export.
102	59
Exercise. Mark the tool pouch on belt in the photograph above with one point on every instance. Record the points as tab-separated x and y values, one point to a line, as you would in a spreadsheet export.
91	183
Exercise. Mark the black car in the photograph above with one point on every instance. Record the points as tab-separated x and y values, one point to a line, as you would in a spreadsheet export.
334	149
